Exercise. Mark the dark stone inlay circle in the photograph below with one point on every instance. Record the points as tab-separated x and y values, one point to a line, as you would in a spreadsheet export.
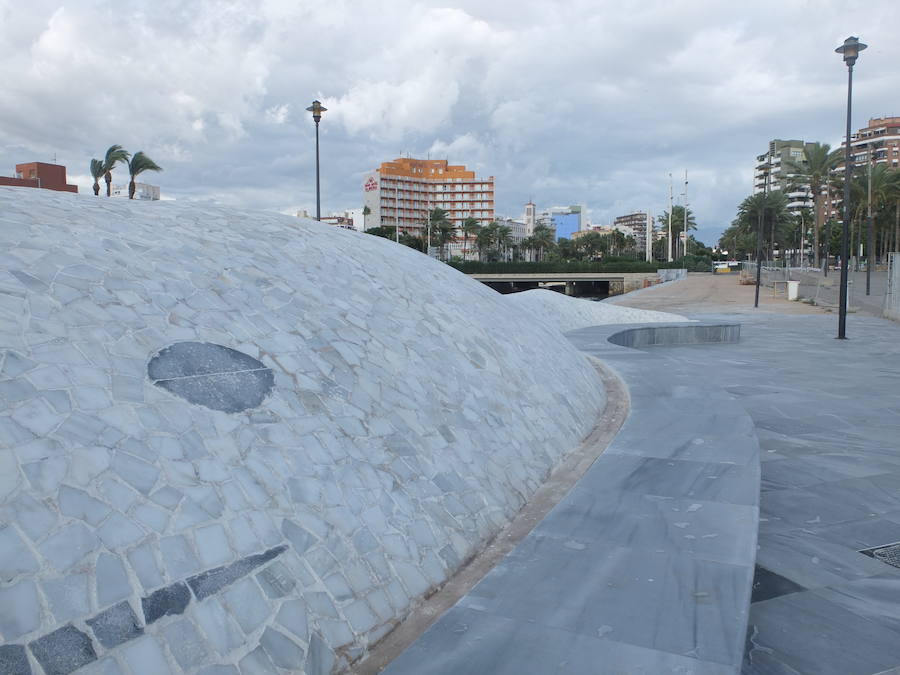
212	375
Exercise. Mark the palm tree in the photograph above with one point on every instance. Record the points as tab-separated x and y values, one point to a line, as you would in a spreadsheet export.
893	193
138	164
470	227
526	246
97	171
441	229
591	244
366	212
484	240
504	238
677	225
542	238
771	210
820	160
114	155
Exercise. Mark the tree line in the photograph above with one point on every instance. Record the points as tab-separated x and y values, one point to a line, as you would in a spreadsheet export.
137	164
766	215
494	242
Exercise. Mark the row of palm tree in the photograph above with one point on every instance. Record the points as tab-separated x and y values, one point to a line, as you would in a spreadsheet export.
819	172
784	230
137	164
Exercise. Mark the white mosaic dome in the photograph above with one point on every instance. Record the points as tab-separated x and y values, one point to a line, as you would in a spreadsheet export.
330	425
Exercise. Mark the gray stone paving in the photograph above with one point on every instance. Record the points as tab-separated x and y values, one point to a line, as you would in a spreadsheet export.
825	416
645	566
828	421
411	413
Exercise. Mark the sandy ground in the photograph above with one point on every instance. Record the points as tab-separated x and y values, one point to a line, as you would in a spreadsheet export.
712	294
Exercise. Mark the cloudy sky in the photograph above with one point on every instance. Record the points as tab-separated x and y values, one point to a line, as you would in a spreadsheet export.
570	101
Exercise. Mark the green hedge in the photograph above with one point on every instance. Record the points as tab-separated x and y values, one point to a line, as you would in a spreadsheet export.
473	267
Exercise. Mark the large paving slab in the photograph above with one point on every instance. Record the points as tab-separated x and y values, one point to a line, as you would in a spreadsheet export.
645	566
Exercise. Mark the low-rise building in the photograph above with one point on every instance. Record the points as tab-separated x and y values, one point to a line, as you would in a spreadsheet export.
40	175
351	219
142	191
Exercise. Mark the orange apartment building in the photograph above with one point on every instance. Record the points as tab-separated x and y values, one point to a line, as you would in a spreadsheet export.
402	192
40	175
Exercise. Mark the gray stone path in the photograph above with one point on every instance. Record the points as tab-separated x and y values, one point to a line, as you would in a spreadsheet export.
827	415
575	596
644	567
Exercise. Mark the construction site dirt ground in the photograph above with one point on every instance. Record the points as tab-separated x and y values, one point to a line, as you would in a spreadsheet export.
703	293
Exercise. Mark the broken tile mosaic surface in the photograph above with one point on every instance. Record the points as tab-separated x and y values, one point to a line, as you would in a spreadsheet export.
393	428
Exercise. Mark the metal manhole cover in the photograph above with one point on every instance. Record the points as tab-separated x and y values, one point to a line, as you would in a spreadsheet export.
887	554
211	375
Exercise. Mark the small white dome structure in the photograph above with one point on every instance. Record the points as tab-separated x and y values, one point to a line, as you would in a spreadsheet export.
246	440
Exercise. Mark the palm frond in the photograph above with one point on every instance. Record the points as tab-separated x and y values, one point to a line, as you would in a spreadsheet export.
114	155
97	168
140	163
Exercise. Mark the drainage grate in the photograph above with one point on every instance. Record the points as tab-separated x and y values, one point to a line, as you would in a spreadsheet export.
889	554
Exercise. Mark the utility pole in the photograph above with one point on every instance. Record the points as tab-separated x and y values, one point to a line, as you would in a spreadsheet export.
669	238
428	242
870	245
648	239
685	213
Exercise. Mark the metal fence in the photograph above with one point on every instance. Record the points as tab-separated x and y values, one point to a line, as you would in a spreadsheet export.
892	294
817	288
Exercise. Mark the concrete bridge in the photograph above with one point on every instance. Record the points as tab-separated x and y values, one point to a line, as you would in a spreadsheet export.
576	283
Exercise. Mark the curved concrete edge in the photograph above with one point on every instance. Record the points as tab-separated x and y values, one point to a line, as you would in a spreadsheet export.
676	334
645	566
560	481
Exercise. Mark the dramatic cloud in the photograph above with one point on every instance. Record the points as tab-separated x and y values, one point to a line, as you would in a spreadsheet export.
576	101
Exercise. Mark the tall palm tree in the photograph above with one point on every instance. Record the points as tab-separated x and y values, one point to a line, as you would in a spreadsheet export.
440	222
820	159
893	193
470	228
366	212
138	165
114	155
771	210
484	239
97	171
504	239
543	239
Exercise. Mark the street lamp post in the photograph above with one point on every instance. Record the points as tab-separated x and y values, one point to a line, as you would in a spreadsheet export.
317	109
850	51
